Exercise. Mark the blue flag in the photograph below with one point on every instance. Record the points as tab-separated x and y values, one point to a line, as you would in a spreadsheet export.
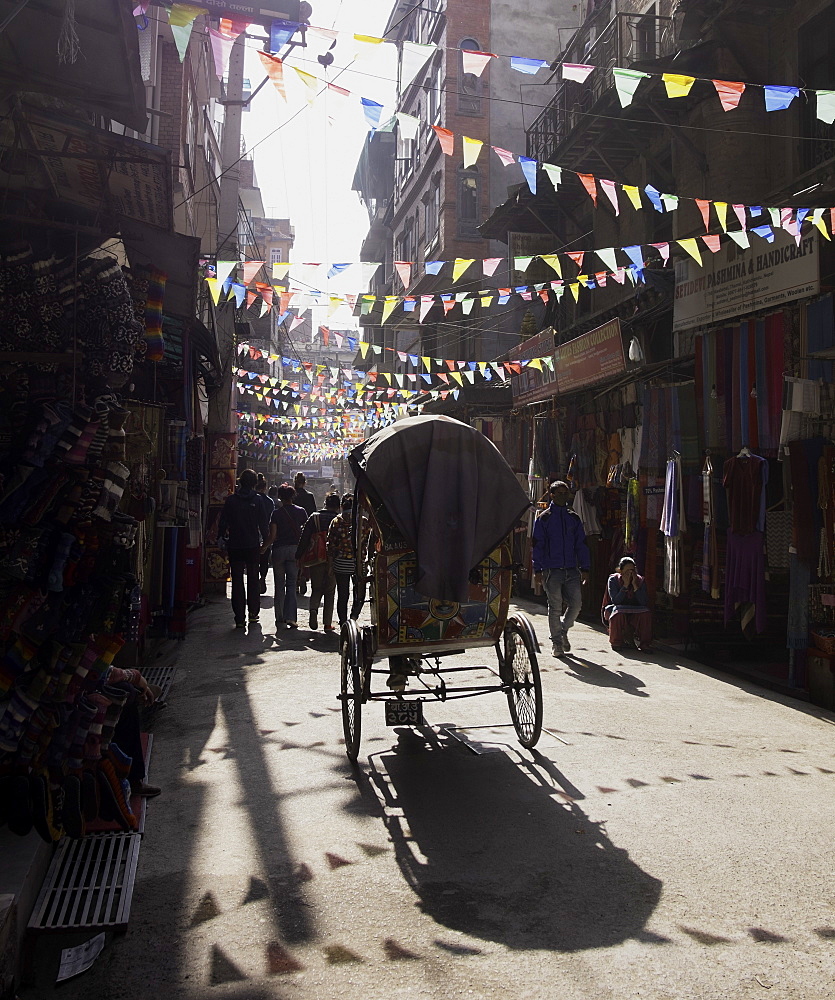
281	32
371	110
529	166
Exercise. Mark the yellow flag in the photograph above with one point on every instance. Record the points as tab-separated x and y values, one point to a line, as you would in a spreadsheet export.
459	267
722	214
553	261
486	300
457	377
427	363
677	85
363	346
633	194
692	247
535	363
575	290
817	219
472	147
368	39
214	289
388	307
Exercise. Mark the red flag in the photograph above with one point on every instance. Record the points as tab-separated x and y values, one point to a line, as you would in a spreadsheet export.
446	139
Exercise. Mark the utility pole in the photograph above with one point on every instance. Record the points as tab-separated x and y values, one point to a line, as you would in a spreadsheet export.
222	403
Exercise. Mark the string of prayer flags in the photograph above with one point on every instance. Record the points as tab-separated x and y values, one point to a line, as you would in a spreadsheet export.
825	106
611	192
413	57
529	66
677	85
409	125
475	62
553	173
181	20
779	98
626	83
404	270
372	111
590	185
472	149
459	267
578	72
504	155
528	166
445	138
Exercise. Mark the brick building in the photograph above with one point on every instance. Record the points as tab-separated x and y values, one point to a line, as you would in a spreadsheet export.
428	207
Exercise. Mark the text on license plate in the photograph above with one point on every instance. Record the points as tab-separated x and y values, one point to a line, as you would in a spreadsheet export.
404	713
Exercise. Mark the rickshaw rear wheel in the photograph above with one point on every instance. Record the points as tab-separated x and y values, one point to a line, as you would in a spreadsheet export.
521	674
350	648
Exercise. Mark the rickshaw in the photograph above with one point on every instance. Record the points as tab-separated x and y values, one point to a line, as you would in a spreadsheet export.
436	503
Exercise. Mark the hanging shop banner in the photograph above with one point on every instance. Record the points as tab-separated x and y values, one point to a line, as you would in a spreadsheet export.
595	356
101	170
254	13
533	383
735	282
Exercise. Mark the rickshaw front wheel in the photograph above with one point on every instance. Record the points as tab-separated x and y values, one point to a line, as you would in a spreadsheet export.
524	687
350	646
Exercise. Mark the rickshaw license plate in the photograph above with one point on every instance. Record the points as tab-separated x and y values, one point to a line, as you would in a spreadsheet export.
404	713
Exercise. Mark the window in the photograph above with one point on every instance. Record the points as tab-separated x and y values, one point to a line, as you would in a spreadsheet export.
433	89
275	255
468	204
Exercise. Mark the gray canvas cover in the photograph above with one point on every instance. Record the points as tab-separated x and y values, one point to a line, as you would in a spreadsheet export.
448	490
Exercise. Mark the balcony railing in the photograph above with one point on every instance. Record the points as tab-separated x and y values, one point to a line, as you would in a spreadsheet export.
626	40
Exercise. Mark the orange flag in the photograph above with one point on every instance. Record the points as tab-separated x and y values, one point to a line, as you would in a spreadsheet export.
274	69
704	208
590	186
251	268
576	256
445	137
730	92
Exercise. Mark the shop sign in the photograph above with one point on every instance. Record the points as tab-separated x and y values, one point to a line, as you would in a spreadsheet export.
736	282
531	384
102	170
594	356
255	13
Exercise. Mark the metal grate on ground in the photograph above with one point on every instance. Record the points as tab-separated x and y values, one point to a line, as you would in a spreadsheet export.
162	675
89	884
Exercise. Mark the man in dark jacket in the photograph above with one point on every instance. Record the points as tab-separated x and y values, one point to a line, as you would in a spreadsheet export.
305	500
560	562
269	506
245	525
322	580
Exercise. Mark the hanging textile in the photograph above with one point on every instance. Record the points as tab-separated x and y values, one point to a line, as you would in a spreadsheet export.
710	555
633	513
745	477
672	524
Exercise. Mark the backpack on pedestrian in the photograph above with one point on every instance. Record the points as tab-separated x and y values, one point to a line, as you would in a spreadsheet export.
317	550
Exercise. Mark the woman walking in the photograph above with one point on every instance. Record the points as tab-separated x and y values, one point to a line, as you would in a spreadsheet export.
285	531
343	558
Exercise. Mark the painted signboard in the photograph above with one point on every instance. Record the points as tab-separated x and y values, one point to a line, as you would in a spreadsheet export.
590	358
736	282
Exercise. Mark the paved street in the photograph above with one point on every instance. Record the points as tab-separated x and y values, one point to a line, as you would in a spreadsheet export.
671	837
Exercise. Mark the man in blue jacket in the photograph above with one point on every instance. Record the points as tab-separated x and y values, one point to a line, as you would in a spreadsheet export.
560	563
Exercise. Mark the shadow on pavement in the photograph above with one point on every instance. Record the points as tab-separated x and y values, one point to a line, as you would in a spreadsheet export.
489	852
593	673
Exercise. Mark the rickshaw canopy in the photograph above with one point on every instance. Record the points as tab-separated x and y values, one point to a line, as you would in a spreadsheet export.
450	492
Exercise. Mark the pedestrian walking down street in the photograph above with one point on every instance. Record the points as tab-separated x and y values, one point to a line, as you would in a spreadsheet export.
285	531
305	499
312	553
245	526
269	505
561	563
341	551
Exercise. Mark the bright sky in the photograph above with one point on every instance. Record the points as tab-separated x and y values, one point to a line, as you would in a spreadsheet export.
306	168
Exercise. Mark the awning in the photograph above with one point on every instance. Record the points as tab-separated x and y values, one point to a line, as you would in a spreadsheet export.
105	76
